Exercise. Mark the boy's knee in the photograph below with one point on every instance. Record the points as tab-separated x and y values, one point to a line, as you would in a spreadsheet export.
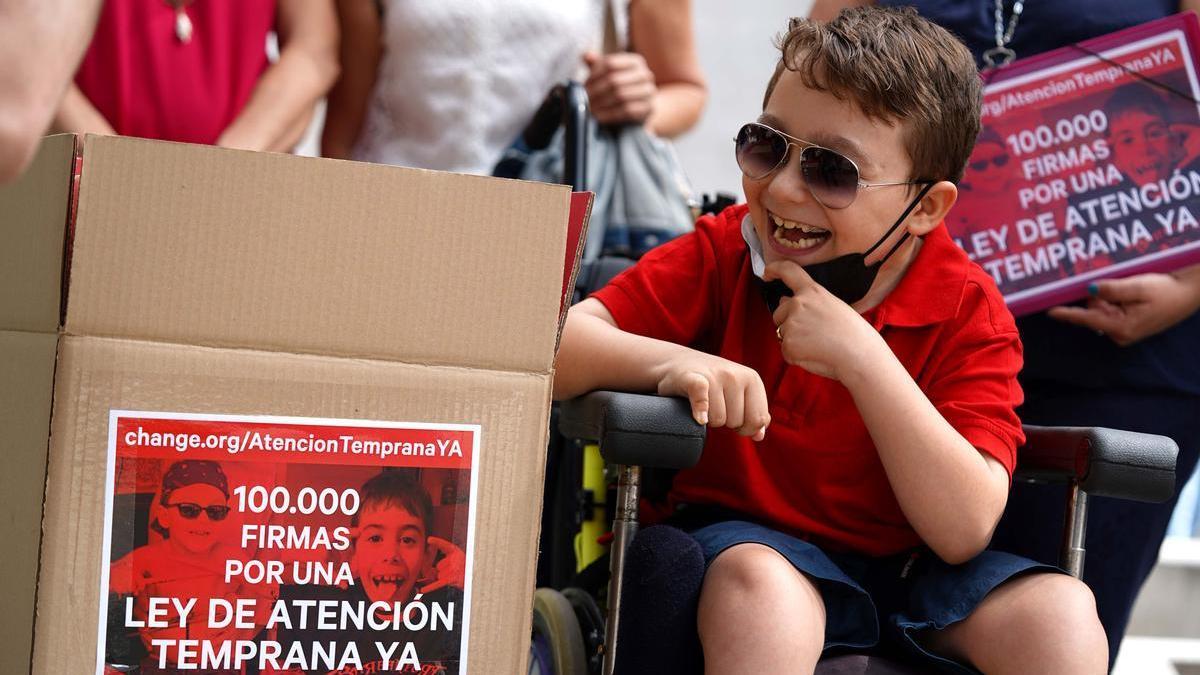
1060	609
751	588
755	570
1076	611
1062	600
1060	624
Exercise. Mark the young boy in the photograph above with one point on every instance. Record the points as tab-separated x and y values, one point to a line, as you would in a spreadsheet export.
861	435
391	554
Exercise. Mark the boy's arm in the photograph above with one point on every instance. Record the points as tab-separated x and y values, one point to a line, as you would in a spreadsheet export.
595	354
951	493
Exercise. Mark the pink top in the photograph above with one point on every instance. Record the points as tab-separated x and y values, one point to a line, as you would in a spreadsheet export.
147	82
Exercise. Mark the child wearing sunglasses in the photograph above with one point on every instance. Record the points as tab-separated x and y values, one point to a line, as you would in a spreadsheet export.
857	374
189	563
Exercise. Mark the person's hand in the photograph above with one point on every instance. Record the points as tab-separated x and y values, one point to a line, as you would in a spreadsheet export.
1132	309
620	87
451	570
722	393
816	330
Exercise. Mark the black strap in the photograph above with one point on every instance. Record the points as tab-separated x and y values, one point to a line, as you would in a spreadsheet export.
899	221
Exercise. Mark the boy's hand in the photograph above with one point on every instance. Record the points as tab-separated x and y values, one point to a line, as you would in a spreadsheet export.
722	393
817	331
451	570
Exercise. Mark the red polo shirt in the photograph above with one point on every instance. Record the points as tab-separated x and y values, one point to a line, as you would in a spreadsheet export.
818	475
147	83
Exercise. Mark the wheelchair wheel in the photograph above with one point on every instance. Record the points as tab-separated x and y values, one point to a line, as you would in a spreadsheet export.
557	644
591	624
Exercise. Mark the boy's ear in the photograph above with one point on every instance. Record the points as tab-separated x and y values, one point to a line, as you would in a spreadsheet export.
933	208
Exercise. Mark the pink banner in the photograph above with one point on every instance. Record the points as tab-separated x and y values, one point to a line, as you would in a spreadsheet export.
1088	166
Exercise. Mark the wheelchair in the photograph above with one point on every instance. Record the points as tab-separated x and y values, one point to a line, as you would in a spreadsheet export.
640	437
639	433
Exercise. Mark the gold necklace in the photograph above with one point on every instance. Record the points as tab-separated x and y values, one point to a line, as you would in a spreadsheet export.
183	22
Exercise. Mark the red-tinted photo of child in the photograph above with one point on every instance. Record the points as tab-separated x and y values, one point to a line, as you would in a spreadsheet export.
394	560
1144	147
187	566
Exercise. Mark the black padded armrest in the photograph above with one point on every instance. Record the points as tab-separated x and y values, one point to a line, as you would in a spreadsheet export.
657	431
639	429
1106	462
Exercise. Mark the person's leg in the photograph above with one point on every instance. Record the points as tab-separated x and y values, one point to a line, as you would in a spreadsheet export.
1123	537
758	614
1036	623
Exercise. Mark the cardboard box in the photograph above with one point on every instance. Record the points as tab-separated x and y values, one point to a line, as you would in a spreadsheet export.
213	287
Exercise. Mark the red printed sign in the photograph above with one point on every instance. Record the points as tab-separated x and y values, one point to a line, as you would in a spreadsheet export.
1088	166
238	544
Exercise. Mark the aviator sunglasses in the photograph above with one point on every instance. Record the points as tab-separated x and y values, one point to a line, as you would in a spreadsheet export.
192	511
831	177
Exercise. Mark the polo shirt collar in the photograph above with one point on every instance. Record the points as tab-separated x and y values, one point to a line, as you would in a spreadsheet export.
932	288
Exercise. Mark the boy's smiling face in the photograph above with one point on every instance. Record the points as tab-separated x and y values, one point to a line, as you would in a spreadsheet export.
389	552
790	222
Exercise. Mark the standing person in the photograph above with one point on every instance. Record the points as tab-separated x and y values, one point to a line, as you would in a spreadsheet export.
197	71
449	86
41	42
1126	358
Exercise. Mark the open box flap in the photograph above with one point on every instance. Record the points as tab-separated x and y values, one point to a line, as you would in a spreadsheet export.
177	243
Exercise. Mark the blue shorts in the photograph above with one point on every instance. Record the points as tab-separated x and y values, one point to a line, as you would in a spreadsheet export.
881	602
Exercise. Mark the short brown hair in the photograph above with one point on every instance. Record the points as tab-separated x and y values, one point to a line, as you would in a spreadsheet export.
395	488
897	67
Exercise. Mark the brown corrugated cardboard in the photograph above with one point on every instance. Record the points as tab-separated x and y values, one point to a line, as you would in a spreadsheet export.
192	244
33	213
235	283
26	383
33	216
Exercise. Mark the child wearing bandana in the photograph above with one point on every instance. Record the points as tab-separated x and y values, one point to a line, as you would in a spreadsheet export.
187	565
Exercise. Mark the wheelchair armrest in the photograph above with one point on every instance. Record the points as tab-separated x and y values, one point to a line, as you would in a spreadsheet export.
1106	462
636	429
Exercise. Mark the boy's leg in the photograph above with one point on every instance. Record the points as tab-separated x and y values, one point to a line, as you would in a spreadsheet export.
1123	537
758	614
1041	622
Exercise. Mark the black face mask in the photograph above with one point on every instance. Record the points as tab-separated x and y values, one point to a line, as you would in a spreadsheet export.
847	277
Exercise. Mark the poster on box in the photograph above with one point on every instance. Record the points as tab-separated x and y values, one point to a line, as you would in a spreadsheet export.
299	546
1087	167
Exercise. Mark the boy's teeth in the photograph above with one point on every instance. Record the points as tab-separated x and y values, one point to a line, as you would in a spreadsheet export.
792	225
799	244
807	237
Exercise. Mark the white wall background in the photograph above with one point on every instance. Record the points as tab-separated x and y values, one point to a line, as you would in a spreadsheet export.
736	45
